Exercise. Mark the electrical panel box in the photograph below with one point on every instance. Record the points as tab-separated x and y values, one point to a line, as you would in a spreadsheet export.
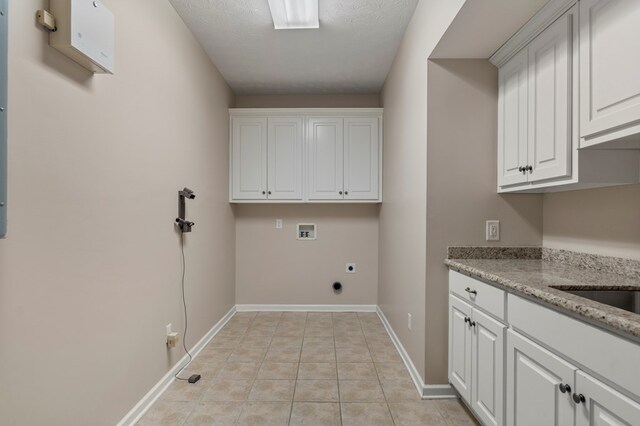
85	33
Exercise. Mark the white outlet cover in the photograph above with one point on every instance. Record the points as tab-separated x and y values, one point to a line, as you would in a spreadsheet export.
278	223
409	318
350	268
168	329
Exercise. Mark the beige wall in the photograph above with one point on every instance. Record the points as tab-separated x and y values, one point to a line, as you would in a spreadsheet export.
90	271
461	186
308	101
600	221
273	267
403	214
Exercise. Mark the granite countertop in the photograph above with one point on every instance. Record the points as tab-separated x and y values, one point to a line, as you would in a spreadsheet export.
542	274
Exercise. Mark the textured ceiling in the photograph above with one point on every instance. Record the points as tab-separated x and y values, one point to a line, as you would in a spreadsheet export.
350	53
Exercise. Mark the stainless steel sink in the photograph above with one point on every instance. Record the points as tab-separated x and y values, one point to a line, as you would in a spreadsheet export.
629	300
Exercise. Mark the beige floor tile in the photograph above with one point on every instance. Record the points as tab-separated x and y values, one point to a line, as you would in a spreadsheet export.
208	371
224	342
360	391
317	371
284	355
316	391
253	341
392	371
167	413
367	413
416	413
238	370
287	341
315	414
318	331
323	316
272	390
214	355
214	414
278	371
400	391
356	371
353	354
244	354
228	390
265	414
454	411
349	341
180	390
386	355
318	355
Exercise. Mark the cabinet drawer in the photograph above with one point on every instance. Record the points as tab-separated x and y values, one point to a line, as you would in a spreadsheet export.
486	297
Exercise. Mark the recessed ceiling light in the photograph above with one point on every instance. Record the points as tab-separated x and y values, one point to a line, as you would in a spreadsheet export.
294	14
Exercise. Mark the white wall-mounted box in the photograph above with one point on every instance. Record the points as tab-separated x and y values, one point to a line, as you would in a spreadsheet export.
86	33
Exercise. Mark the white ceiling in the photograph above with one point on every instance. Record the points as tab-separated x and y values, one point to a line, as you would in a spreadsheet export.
350	53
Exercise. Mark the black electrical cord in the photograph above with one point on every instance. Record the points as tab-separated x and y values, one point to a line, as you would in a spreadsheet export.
186	317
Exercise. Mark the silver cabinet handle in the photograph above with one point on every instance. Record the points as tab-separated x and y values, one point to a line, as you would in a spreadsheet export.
468	290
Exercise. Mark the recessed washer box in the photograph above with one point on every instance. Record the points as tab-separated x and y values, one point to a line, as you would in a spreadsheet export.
86	33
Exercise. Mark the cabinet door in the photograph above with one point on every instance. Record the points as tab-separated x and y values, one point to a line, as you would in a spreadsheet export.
326	149
249	158
361	158
512	120
609	64
488	368
603	405
460	346
550	100
534	376
285	158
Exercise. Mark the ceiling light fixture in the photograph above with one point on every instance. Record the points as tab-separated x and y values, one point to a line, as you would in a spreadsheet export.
294	14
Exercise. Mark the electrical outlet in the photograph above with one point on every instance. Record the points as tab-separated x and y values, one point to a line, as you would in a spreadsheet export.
409	320
493	230
278	223
172	339
168	329
350	268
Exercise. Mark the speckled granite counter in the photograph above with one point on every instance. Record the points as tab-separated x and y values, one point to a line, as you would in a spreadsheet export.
542	274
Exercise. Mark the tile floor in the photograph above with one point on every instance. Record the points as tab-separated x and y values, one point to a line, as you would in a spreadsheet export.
298	368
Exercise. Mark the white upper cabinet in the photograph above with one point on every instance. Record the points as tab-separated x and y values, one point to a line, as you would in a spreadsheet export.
249	158
284	166
609	64
361	158
306	155
535	108
512	120
543	87
326	151
550	107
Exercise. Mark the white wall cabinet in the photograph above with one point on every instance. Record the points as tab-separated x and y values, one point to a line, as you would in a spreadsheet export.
249	158
306	155
535	107
609	63
344	158
544	90
476	354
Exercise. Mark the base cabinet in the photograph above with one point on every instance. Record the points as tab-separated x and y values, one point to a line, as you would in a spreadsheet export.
603	405
534	378
476	348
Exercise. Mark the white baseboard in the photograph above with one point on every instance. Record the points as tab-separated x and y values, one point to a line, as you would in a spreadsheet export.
425	391
152	396
306	308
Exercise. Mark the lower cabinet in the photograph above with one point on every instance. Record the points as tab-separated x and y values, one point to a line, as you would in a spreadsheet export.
476	365
535	366
601	405
539	385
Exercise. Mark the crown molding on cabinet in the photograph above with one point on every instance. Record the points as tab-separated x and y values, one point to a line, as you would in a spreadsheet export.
541	20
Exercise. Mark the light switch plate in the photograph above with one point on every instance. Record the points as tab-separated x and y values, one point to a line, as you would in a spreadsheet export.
278	223
493	230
